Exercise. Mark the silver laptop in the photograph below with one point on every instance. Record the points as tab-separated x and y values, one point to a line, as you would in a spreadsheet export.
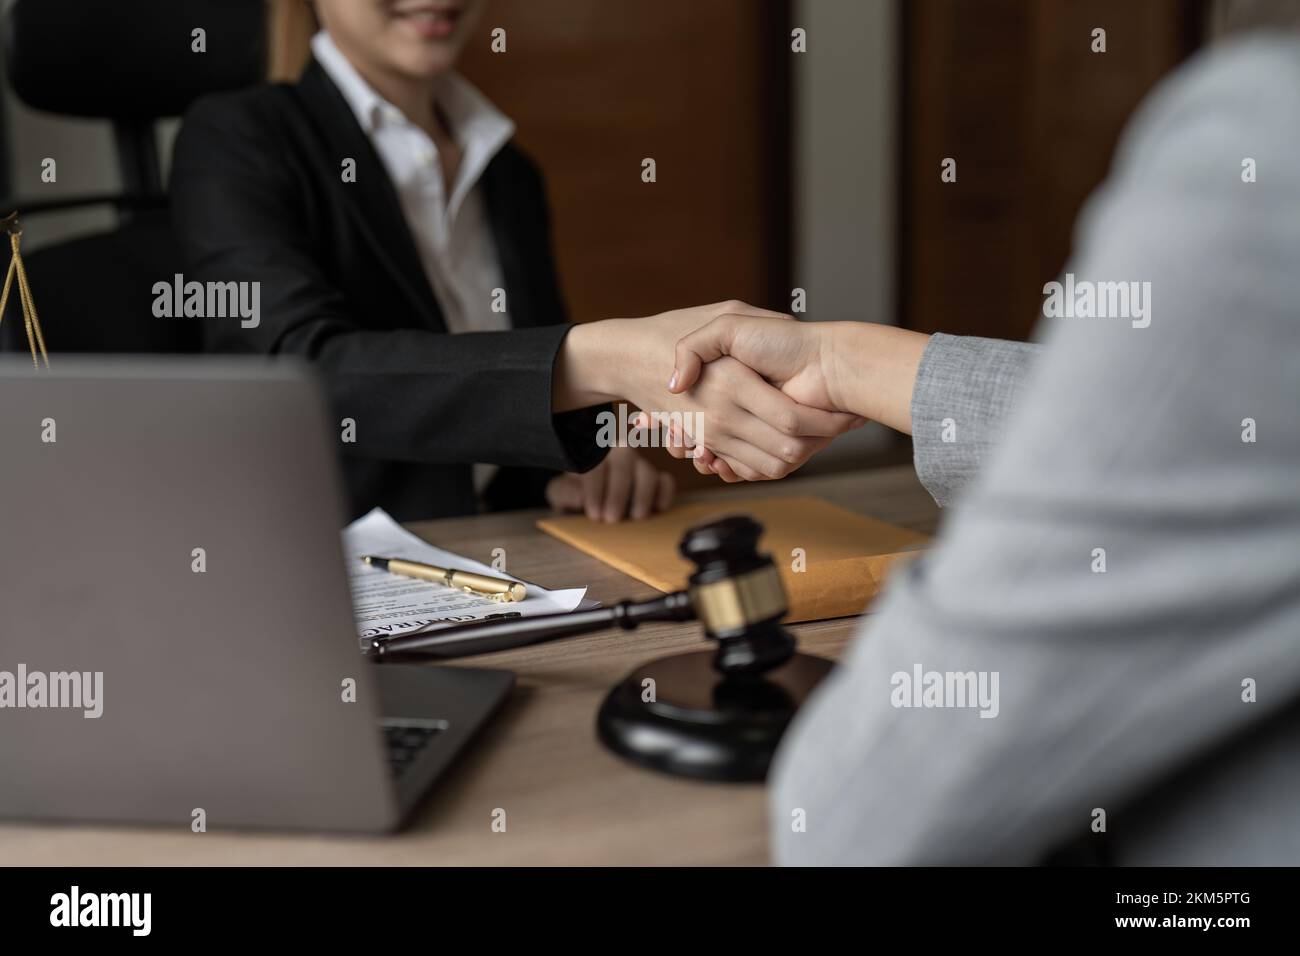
177	644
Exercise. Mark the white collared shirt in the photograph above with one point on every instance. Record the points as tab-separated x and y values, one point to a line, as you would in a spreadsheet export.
451	232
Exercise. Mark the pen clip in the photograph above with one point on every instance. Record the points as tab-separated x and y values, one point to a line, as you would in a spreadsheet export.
497	598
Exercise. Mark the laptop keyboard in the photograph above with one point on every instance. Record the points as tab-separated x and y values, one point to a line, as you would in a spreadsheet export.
405	739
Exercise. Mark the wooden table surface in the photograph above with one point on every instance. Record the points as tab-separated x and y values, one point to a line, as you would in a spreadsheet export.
568	801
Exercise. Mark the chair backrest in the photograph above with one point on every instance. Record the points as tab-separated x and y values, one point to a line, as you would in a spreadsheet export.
131	62
130	59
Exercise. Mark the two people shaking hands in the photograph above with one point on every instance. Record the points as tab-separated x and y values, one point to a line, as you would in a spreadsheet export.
401	244
765	392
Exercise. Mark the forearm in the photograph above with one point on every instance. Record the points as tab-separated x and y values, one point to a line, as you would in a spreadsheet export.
872	370
584	369
619	359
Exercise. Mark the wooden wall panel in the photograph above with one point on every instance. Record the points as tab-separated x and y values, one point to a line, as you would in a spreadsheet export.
1012	90
702	87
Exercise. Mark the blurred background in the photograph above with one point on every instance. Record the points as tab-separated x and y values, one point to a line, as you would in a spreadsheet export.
776	170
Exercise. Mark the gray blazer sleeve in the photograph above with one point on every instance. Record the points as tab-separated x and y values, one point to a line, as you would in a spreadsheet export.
1121	581
965	388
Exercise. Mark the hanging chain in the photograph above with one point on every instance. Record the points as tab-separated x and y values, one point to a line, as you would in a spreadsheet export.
31	323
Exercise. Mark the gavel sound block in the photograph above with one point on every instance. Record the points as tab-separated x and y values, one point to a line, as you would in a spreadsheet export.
718	714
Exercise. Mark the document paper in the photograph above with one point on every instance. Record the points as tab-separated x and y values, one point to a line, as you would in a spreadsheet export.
386	604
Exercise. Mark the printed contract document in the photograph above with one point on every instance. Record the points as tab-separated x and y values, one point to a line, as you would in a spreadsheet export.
386	604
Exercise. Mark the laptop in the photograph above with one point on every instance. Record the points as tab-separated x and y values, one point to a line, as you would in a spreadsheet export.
177	645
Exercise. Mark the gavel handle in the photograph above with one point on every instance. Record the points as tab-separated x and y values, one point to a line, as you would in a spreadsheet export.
483	637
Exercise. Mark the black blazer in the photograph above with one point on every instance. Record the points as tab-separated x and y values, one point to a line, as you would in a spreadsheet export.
258	195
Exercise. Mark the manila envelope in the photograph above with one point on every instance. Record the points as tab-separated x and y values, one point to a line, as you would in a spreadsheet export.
845	555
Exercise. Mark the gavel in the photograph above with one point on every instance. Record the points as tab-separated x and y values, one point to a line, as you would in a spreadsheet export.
711	715
736	592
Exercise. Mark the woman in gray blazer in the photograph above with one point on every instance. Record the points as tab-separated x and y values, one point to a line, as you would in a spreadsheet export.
1120	570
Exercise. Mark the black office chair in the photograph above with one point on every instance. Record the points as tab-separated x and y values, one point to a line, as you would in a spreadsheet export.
131	62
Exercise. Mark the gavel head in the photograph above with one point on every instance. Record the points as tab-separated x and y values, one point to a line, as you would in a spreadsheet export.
738	595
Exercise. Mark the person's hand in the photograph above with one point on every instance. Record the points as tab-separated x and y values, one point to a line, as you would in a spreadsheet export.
760	418
624	485
794	356
856	368
759	431
786	353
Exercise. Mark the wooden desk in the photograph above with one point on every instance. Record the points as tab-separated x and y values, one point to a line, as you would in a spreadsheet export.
567	800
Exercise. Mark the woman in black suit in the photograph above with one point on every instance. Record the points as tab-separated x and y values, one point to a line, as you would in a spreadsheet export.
401	244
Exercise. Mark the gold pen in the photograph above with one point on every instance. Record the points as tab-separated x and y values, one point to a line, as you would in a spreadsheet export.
497	589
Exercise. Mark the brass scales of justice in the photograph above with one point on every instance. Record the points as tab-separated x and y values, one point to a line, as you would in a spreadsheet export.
32	324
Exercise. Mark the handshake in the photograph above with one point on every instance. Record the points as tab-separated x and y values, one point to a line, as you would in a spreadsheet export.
750	394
